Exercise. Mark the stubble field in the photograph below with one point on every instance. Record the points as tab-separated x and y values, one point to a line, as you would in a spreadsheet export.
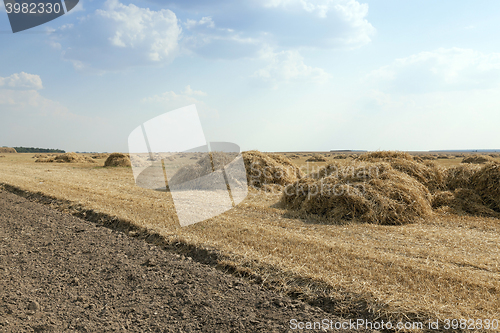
443	267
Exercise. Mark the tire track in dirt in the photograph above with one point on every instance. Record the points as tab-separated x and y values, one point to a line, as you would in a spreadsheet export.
59	273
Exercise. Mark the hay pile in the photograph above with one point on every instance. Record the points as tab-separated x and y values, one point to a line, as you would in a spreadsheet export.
472	189
460	176
486	182
394	188
118	160
99	156
268	170
427	157
206	173
461	201
44	155
5	150
340	157
426	172
478	159
369	192
316	158
383	155
66	158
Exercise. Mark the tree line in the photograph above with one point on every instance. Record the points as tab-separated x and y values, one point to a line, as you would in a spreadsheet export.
38	150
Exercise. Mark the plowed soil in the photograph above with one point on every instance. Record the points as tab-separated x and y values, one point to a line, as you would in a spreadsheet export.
59	273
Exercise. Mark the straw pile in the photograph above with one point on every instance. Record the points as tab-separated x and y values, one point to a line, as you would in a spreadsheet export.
118	160
316	158
472	189
205	174
461	201
5	150
66	158
425	158
99	156
340	157
382	155
369	192
460	176
269	169
478	159
393	188
426	172
486	182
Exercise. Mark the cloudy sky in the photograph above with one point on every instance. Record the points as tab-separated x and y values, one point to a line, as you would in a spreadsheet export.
273	75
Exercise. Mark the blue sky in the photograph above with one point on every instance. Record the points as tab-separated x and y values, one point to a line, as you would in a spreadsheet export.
273	75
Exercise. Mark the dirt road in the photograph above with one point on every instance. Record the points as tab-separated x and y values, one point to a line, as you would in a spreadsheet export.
62	274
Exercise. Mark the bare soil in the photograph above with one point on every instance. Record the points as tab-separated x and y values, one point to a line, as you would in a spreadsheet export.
59	273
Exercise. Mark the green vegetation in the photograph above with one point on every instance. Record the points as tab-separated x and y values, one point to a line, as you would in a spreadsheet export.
38	150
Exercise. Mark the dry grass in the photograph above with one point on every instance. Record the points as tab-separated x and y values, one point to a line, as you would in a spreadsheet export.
118	160
443	267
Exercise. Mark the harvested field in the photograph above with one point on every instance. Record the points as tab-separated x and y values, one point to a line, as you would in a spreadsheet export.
118	160
443	266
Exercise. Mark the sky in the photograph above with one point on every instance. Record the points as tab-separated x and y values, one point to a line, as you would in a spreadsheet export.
272	75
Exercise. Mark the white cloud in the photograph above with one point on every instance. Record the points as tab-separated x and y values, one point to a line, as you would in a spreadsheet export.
21	81
286	66
186	96
19	93
172	100
120	36
205	21
439	70
239	29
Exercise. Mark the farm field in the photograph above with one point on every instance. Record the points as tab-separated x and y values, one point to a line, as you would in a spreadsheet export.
442	267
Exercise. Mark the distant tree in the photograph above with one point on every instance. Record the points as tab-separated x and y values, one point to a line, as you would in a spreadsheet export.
38	150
